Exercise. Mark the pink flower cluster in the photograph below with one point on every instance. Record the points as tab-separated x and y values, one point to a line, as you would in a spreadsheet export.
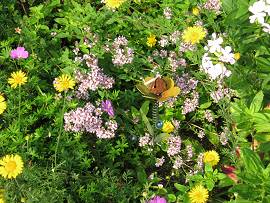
122	54
88	119
190	104
19	53
174	143
145	140
186	83
93	80
214	5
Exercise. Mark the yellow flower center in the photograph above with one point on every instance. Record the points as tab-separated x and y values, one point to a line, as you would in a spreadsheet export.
11	166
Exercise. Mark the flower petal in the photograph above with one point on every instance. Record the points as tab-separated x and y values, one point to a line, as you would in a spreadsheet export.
172	92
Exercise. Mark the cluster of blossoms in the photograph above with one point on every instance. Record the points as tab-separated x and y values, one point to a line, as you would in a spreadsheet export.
145	140
221	93
216	56
190	104
89	119
160	161
223	137
214	5
174	145
186	83
260	10
167	12
122	53
208	116
93	80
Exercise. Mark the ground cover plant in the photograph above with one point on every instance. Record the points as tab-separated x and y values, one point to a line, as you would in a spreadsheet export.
134	101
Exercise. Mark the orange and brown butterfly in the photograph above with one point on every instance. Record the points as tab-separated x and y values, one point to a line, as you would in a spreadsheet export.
158	88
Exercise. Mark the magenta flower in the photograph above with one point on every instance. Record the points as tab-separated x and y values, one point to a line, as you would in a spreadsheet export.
107	107
19	53
158	199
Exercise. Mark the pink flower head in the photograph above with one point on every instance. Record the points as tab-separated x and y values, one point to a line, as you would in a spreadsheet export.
107	107
19	53
158	199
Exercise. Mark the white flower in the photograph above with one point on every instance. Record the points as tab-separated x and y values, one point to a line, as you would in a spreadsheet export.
214	45
218	70
227	56
266	28
257	9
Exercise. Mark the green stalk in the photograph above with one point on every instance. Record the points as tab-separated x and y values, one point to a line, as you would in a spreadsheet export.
61	128
19	116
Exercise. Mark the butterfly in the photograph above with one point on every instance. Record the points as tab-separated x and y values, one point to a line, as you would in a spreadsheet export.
158	88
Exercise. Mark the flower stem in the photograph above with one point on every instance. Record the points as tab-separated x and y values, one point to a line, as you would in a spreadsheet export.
19	116
60	132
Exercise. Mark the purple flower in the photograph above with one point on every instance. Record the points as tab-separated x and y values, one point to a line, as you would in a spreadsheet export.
158	199
19	53
107	106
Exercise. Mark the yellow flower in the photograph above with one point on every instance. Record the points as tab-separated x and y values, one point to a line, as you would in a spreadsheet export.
211	157
195	11
2	200
151	40
17	79
193	34
167	127
63	83
11	166
113	4
198	194
3	104
237	56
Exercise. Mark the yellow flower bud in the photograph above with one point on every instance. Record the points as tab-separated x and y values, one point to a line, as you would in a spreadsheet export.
167	127
196	11
237	56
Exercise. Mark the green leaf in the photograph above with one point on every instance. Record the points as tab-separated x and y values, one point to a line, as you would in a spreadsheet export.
209	184
205	105
171	198
256	103
145	107
262	127
142	177
251	161
262	137
208	168
147	123
265	147
180	187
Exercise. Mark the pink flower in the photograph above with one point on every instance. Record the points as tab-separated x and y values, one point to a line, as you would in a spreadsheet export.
158	199
107	107
19	53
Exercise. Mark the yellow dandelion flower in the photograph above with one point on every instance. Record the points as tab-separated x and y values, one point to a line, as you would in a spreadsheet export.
3	104
195	11
151	40
167	127
11	166
193	34
17	79
113	4
2	200
211	157
198	194
63	83
237	56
